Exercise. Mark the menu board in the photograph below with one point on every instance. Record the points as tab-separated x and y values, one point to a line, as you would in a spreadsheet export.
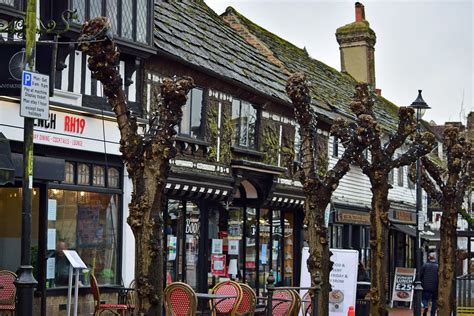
403	285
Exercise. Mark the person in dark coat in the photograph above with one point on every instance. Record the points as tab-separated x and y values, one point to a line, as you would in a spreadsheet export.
429	282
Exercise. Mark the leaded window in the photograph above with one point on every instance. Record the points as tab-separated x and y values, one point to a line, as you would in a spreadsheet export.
98	176
68	172
244	120
113	178
83	174
191	121
129	19
400	176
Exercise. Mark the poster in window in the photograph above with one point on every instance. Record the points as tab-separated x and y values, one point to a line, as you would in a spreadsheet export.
172	240
217	245
233	247
218	265
89	230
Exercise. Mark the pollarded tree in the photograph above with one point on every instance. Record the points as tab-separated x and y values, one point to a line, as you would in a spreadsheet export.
146	158
318	185
448	187
377	169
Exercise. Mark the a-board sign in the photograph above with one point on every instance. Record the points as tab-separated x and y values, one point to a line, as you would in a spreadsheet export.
343	279
74	259
403	285
34	95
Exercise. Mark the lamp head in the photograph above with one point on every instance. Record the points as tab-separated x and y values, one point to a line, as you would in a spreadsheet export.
419	105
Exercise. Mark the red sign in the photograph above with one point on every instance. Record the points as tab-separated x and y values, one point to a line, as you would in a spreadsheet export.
218	265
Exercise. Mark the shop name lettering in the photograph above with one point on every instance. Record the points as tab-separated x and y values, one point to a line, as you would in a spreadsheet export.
192	227
337	275
71	124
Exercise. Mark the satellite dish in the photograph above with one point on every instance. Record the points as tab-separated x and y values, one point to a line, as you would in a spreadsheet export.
17	64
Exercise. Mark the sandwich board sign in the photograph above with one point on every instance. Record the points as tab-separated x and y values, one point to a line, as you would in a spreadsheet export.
34	95
75	264
403	285
343	279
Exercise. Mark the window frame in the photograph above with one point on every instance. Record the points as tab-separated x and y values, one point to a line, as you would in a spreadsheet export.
236	138
200	134
335	147
119	21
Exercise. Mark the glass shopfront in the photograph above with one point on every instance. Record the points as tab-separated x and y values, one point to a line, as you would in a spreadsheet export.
240	243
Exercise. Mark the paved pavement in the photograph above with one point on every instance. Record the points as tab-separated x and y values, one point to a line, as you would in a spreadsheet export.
402	312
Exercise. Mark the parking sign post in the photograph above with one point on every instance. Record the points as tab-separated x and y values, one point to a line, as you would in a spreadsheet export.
25	281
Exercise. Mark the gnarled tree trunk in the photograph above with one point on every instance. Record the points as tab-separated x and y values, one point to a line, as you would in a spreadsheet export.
378	246
146	157
447	261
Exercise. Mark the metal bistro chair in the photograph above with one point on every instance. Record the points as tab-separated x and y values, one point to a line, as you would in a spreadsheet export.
280	307
131	298
180	300
306	304
228	305
249	301
117	309
297	305
7	292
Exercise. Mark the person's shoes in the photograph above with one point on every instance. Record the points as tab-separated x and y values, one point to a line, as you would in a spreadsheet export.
425	311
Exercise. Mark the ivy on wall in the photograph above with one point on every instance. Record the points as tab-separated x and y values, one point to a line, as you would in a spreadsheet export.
270	144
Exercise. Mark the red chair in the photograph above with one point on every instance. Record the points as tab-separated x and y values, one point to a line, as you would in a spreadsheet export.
180	300
7	292
228	305
284	306
249	301
117	309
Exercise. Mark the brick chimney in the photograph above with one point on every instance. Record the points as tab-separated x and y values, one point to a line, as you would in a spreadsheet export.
356	44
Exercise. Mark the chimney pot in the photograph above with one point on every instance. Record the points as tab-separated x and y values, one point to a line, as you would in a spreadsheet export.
378	91
359	12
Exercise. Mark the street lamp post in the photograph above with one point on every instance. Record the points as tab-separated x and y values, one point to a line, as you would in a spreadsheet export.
420	107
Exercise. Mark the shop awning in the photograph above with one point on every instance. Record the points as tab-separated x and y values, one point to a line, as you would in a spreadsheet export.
427	234
7	169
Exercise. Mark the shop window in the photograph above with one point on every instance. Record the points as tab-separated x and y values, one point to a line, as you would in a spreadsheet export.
288	248
86	222
174	230
10	228
251	247
191	121
244	121
83	174
98	178
113	178
129	19
192	244
269	252
68	172
336	236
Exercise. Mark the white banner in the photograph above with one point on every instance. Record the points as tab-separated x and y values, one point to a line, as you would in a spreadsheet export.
72	130
343	279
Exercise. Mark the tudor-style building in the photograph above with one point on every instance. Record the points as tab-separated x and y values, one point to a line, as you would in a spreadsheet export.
81	190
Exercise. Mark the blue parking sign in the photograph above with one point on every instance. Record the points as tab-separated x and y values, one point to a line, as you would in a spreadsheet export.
27	78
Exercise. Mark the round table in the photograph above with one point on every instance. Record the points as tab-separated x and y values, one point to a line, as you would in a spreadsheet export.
218	297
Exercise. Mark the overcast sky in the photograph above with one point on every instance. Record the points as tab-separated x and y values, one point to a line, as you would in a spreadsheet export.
424	45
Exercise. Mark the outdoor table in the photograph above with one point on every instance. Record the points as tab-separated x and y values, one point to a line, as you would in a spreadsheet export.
218	297
121	291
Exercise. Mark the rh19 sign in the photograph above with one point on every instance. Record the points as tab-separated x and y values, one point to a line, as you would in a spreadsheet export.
403	285
34	95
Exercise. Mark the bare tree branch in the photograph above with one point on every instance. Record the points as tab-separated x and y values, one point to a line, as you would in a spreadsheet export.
434	171
419	148
406	127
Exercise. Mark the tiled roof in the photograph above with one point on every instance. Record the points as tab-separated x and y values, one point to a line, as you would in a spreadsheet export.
191	31
330	88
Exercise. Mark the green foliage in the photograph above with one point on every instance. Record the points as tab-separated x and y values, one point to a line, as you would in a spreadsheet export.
213	129
287	153
270	145
107	273
226	138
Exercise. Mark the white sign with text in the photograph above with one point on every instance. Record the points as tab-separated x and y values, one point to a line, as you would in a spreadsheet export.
343	279
34	95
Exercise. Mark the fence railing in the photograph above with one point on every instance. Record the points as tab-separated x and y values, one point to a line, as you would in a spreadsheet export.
465	294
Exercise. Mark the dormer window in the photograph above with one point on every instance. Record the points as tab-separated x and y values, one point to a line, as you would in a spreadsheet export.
130	19
244	121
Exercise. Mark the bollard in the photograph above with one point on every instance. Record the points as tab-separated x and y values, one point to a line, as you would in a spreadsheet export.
351	311
315	296
270	289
